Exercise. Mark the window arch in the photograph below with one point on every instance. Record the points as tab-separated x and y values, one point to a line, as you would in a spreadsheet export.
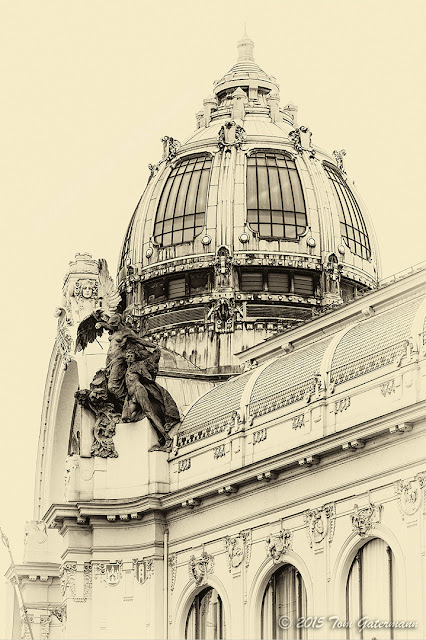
285	596
182	207
370	588
352	225
205	617
275	203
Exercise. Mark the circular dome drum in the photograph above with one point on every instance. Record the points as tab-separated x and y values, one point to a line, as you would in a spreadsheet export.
244	230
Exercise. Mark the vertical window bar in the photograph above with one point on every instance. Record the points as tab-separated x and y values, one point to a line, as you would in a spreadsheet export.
389	552
359	558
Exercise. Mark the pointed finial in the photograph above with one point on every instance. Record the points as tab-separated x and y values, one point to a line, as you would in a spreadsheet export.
245	47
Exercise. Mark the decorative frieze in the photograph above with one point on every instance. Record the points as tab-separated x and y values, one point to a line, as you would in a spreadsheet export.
259	436
278	544
320	523
108	572
237	547
201	567
143	570
173	567
364	519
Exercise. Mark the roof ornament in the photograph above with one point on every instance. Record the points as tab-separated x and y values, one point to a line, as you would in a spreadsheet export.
245	47
170	147
231	135
301	139
338	156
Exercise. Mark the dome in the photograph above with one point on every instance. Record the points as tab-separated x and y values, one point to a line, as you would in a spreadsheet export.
245	229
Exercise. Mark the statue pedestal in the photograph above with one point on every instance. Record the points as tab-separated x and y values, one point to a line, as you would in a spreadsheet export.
137	471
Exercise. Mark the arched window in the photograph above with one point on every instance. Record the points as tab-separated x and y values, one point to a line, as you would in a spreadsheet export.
275	202
205	617
370	588
182	208
352	225
284	597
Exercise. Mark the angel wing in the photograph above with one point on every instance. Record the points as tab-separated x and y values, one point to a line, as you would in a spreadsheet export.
108	292
88	331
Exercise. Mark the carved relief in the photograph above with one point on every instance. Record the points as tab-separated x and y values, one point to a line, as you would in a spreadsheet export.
219	452
201	567
409	494
87	581
364	519
341	405
67	578
317	389
110	573
173	567
259	436
25	619
44	627
387	388
298	421
184	465
301	139
320	523
230	135
143	570
224	312
277	544
237	547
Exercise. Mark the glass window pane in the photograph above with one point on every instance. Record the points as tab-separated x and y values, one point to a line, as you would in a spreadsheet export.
290	232
176	288
252	281
251	188
265	230
275	189
177	237
263	188
183	196
198	282
188	235
278	230
278	282
286	191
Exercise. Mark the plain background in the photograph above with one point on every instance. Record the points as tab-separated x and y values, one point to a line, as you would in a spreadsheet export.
89	89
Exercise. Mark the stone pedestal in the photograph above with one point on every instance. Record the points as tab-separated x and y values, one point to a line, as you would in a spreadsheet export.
137	471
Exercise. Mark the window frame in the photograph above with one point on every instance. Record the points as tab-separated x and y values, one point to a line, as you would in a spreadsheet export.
288	157
290	273
167	187
350	214
165	280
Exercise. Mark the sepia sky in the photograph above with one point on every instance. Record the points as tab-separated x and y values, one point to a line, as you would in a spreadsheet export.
89	89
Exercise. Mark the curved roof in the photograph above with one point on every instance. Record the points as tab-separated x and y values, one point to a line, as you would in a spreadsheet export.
291	377
373	343
287	379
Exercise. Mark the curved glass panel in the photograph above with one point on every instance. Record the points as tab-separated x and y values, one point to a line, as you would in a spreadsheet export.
275	202
182	208
285	596
205	617
352	225
373	565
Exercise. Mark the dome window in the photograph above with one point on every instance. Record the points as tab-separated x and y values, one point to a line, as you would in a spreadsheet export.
352	225
275	202
182	207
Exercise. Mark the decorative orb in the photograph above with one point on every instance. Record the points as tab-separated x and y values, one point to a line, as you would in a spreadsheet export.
311	242
244	237
149	252
206	239
341	249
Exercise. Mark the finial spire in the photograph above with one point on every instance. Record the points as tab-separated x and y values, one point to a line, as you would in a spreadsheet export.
245	47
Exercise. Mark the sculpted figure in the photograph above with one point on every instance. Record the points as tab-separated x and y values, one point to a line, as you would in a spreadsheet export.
129	377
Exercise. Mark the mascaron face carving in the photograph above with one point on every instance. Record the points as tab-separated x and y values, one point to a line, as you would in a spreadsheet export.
364	519
277	544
